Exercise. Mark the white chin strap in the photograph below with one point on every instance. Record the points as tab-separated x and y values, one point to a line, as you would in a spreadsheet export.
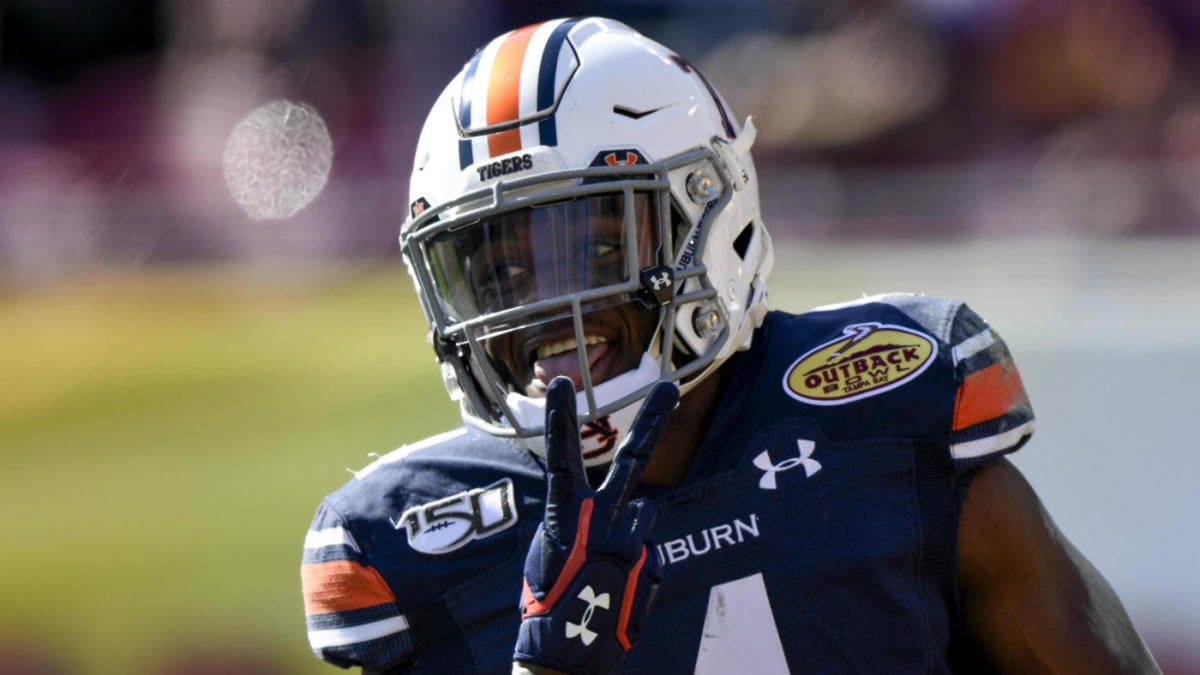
599	440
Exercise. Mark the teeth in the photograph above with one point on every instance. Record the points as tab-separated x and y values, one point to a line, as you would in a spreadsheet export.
555	348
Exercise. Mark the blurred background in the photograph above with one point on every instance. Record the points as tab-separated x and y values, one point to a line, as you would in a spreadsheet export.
186	373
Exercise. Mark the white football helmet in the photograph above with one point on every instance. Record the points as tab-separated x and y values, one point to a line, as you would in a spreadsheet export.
572	166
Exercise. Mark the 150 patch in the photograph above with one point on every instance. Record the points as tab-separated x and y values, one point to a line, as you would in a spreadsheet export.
869	359
455	521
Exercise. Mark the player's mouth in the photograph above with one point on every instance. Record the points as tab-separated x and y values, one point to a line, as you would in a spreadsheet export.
556	357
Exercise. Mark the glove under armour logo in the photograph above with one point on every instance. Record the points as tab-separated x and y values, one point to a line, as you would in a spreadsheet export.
580	630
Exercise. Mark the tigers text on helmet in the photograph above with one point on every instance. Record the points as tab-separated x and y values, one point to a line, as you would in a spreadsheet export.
572	170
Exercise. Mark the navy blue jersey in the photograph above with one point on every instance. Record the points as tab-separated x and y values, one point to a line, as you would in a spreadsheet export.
814	532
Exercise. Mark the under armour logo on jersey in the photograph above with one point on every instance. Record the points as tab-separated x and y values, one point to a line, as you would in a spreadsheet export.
763	461
580	630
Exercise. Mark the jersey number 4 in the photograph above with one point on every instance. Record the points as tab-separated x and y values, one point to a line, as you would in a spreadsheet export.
739	631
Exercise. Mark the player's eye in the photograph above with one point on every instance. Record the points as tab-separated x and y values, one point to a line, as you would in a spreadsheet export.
600	249
508	275
504	286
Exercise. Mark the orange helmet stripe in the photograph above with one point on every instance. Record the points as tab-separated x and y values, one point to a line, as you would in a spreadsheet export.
504	90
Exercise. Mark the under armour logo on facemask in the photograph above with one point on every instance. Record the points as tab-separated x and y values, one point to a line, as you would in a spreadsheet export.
763	461
580	630
658	285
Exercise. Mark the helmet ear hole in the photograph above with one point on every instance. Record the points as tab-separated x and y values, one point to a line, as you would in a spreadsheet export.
742	243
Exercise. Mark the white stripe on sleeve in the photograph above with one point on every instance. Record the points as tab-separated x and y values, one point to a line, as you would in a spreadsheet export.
986	446
340	637
973	345
330	536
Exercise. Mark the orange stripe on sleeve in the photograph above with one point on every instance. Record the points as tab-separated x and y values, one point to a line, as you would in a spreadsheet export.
504	91
341	586
987	394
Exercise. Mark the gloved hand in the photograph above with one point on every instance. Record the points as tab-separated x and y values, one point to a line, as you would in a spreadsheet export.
590	575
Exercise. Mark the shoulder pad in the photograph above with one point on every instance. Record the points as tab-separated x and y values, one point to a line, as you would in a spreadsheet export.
935	315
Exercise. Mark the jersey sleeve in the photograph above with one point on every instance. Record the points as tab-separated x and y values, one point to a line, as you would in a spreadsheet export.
992	414
351	612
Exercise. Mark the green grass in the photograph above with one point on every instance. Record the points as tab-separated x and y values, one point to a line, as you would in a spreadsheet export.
164	439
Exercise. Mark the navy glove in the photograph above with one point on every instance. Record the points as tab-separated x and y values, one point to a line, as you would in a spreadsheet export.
590	575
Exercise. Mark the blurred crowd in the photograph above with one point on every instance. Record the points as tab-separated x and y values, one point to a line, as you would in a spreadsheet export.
892	119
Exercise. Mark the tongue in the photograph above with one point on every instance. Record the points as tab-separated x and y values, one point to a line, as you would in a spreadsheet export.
567	363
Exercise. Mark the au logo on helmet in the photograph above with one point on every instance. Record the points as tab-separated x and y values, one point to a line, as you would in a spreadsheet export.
869	359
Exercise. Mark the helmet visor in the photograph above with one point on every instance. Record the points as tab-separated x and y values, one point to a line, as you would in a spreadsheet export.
544	252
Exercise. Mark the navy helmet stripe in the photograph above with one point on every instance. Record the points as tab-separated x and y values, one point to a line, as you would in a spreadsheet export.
464	99
465	153
725	122
547	72
716	99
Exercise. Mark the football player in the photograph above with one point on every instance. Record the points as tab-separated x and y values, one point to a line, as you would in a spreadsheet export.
656	473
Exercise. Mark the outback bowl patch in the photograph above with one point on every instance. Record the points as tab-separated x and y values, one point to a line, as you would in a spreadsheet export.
869	359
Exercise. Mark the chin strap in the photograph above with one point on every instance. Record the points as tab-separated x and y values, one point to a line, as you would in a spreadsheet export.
601	437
